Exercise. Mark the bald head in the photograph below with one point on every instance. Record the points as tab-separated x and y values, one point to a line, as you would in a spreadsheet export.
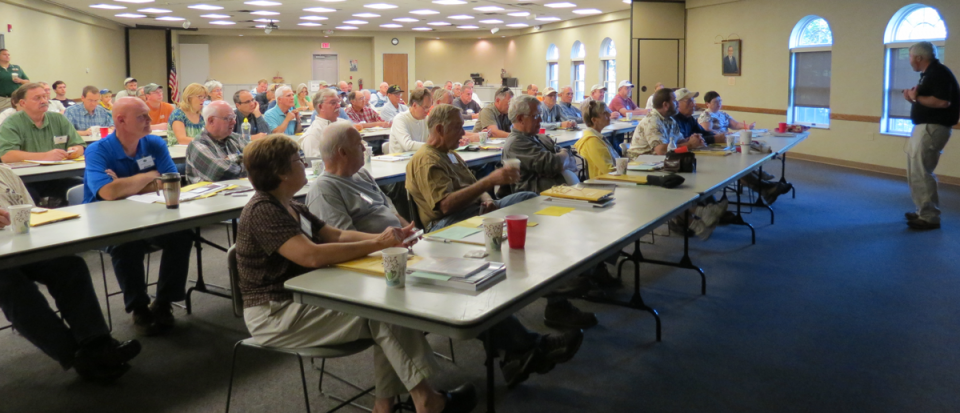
383	87
131	117
342	85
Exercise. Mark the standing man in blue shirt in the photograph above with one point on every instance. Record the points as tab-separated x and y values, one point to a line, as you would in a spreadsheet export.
126	163
283	118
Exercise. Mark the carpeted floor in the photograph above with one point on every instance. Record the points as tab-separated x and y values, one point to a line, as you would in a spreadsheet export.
839	307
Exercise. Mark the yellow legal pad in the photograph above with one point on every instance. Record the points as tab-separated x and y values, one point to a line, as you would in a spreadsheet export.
555	211
373	264
580	194
50	216
637	179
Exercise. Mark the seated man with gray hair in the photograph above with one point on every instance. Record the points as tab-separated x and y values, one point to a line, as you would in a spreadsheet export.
328	107
409	129
216	155
493	118
284	118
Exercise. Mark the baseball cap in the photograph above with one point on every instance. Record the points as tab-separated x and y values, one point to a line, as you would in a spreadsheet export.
597	87
105	91
150	88
549	91
394	89
428	84
128	80
684	93
624	83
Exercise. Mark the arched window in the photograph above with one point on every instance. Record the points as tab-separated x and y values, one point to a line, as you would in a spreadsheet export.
810	63
608	68
913	23
553	66
578	70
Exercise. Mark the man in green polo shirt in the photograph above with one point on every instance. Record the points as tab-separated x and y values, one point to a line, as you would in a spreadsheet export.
35	134
11	77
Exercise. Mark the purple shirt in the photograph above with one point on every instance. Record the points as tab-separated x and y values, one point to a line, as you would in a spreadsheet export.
619	103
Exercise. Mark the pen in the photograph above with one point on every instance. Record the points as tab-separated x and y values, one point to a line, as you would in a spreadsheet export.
436	239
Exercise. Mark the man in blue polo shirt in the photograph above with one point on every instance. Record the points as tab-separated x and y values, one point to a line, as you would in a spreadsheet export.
126	163
283	118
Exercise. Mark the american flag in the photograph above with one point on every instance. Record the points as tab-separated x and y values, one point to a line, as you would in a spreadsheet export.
172	82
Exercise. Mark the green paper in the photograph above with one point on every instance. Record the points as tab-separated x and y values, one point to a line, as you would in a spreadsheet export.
430	275
456	233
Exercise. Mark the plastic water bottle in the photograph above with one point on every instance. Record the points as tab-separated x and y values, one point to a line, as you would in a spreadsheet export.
672	146
245	129
367	157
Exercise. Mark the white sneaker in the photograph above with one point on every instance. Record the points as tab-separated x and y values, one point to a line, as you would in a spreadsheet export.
710	214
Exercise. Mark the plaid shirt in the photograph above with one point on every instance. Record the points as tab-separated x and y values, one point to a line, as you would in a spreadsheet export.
367	115
83	120
212	161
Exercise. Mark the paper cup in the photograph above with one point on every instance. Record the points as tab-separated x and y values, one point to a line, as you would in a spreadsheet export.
746	136
14	76
395	266
622	165
483	138
629	116
492	234
20	218
511	163
517	231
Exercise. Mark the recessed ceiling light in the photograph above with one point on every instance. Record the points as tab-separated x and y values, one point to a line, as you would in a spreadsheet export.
331	1
391	26
346	28
519	14
367	15
264	13
548	18
215	16
449	2
560	5
309	24
628	1
468	27
266	20
170	18
223	22
518	25
153	10
355	22
487	9
406	20
204	7
423	29
438	24
491	21
107	6
261	26
131	15
313	18
424	12
380	6
587	11
263	3
319	10
135	1
461	17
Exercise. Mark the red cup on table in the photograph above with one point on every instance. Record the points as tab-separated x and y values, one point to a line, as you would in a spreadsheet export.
516	231
104	132
543	131
782	127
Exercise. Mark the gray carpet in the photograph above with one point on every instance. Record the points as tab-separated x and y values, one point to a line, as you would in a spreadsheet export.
839	307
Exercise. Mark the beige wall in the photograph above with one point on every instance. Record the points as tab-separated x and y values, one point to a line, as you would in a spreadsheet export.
148	57
235	59
51	43
455	59
857	73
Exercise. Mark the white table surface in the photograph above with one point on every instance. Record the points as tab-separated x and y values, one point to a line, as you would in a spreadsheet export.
51	172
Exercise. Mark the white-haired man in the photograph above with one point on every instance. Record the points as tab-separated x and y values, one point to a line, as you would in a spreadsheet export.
418	84
457	89
360	114
493	118
380	98
217	154
935	108
568	112
409	130
283	118
327	102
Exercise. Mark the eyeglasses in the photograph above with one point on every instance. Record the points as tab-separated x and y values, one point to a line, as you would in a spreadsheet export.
230	118
245	102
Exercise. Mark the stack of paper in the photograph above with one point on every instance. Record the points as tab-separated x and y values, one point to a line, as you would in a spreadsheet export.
394	157
579	193
50	216
459	273
373	264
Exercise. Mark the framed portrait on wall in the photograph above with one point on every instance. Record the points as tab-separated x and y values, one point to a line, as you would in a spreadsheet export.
731	57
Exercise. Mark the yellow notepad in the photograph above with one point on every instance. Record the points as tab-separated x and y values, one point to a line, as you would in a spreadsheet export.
555	211
373	264
580	194
637	179
708	152
474	222
51	216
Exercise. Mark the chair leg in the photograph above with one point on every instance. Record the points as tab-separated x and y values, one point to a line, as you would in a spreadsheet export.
453	357
106	293
233	367
303	381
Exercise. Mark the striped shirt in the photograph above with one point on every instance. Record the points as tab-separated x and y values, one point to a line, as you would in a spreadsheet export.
82	120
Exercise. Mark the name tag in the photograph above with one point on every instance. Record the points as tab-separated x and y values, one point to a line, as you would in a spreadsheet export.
453	158
59	140
144	163
306	227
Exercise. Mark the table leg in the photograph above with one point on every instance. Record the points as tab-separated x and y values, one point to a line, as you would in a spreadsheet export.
199	284
738	220
685	261
636	301
758	202
783	173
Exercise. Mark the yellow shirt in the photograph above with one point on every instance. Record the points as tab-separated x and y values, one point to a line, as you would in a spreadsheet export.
432	174
595	150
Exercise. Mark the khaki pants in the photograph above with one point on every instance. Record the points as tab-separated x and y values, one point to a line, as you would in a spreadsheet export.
402	357
4	103
923	154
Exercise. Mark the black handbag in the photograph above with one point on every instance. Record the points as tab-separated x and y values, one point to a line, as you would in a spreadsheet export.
680	162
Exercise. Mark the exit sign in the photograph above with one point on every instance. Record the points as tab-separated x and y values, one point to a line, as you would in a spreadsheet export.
324	45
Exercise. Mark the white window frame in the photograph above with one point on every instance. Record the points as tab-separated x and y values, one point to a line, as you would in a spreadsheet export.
578	62
795	48
553	61
605	58
891	44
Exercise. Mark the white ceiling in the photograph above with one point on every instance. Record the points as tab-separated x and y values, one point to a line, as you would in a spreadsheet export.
291	11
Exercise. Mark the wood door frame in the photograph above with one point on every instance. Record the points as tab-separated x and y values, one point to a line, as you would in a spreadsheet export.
403	85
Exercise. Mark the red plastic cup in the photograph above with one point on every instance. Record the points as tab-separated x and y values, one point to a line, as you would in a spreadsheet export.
543	131
782	127
516	231
104	132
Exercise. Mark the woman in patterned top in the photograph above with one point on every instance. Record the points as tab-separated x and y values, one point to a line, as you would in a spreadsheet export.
713	119
185	122
279	238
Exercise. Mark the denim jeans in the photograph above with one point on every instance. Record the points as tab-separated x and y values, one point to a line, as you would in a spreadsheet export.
68	281
474	209
174	264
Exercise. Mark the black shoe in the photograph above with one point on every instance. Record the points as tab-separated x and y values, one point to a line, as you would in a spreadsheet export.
575	287
784	187
728	217
560	348
144	323
106	351
564	315
922	225
517	368
461	399
911	216
770	193
162	314
602	277
102	374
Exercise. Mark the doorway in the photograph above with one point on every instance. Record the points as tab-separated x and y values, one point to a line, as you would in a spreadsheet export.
658	61
326	67
395	71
